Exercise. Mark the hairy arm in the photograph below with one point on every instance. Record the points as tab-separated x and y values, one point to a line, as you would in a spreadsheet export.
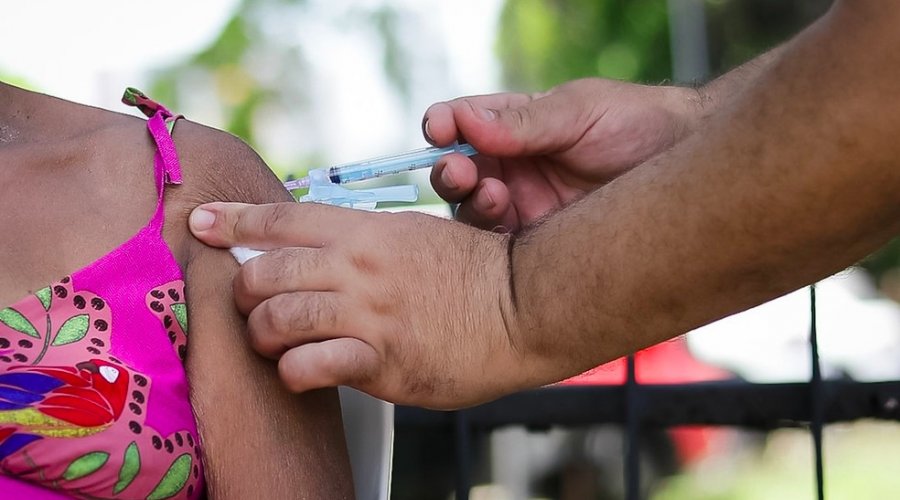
260	441
719	93
793	178
796	178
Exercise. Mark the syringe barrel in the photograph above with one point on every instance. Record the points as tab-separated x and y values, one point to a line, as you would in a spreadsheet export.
378	167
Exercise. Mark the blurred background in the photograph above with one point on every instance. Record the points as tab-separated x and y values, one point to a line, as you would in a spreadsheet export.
316	82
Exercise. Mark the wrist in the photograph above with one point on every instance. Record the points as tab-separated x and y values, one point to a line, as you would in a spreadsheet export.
520	355
575	308
545	343
521	319
690	105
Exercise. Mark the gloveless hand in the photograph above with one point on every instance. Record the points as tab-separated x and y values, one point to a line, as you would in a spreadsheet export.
541	152
407	307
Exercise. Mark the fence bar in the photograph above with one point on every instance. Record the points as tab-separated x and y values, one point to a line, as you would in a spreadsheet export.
632	434
463	455
817	396
729	403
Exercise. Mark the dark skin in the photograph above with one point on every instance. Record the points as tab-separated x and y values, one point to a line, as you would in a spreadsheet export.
76	182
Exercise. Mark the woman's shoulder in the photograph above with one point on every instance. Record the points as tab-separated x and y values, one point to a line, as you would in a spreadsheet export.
219	166
216	166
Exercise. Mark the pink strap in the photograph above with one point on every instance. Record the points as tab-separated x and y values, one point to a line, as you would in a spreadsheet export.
167	169
165	147
159	118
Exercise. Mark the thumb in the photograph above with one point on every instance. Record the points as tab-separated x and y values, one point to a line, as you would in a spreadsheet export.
269	226
214	223
342	361
543	125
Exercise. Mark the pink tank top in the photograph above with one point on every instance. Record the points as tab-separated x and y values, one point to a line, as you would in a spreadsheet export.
94	399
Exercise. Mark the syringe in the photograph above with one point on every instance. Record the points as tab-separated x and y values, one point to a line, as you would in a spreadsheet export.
385	165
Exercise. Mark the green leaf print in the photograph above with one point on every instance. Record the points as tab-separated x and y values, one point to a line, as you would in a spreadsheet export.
14	319
45	296
131	465
85	464
180	312
73	330
175	479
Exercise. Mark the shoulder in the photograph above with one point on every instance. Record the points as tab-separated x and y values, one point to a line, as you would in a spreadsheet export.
216	166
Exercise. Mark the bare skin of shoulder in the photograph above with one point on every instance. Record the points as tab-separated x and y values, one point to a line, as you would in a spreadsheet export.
76	182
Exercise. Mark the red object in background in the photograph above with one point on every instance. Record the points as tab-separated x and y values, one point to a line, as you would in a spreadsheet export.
666	363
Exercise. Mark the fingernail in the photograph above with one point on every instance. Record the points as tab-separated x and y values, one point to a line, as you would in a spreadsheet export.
426	129
201	219
484	201
448	180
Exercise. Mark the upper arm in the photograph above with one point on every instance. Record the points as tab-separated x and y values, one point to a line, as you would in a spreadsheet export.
258	438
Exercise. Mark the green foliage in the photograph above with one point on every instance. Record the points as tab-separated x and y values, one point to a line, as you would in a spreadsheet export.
246	67
256	68
543	43
229	47
739	30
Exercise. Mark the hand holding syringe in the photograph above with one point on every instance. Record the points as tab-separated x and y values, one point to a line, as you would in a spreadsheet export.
323	183
385	165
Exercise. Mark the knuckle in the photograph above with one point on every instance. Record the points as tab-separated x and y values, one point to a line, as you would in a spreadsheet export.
368	374
365	263
274	217
290	372
279	264
329	363
349	360
241	225
519	117
259	334
265	330
280	315
300	313
322	314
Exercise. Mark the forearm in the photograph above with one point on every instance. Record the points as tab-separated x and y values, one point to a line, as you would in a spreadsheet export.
792	181
695	106
718	93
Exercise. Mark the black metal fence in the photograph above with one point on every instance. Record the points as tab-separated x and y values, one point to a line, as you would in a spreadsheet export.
639	407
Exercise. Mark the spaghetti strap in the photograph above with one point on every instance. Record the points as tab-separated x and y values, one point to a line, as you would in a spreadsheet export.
167	168
165	147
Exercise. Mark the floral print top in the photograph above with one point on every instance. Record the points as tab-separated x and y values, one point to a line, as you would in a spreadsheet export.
94	398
